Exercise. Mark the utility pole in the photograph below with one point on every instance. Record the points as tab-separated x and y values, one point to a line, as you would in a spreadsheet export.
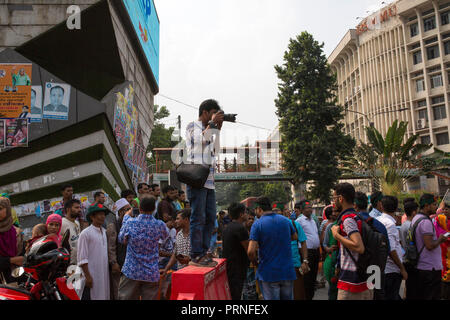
179	128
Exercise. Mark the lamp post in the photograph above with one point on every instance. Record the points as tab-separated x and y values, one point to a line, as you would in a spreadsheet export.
375	114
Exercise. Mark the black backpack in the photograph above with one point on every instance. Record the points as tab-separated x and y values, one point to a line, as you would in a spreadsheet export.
376	247
411	257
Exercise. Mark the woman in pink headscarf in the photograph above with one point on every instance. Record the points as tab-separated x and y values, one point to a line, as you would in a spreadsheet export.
54	222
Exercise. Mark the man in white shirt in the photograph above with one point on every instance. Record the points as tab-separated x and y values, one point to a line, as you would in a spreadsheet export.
309	226
93	255
395	271
72	225
201	136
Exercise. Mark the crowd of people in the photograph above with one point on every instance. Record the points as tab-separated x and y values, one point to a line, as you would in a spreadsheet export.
129	251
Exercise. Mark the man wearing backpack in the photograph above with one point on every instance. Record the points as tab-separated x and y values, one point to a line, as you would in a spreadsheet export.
361	203
395	270
351	283
429	263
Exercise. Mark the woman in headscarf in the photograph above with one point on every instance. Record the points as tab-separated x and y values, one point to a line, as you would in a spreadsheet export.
54	223
10	242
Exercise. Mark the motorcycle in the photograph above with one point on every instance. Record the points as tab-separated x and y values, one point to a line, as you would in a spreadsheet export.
45	268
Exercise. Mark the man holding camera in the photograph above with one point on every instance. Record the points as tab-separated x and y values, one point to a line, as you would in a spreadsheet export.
201	137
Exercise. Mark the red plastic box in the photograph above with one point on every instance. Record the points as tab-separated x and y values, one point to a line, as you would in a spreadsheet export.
199	283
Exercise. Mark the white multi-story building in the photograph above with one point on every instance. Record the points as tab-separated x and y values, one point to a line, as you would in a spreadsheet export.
396	65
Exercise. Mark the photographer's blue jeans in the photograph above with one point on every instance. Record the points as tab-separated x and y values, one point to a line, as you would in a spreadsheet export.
280	290
203	213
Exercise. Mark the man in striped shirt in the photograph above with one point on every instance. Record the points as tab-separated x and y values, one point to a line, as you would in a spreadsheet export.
201	138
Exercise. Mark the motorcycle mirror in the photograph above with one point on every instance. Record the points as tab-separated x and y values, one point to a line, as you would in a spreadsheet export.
17	272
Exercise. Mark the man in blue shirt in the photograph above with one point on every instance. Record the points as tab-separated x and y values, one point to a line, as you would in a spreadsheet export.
361	202
272	235
140	270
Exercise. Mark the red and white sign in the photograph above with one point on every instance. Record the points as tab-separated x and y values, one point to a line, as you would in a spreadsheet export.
374	21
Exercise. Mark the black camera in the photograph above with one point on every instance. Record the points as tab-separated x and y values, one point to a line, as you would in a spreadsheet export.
229	117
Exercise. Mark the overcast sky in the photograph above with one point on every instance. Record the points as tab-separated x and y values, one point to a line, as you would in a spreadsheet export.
227	49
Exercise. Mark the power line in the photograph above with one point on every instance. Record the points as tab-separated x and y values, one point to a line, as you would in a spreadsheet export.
191	106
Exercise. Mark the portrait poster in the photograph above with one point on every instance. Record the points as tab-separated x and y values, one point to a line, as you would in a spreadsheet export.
56	101
16	133
15	90
35	114
2	134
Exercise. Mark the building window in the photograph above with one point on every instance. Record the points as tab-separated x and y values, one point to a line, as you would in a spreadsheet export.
447	47
423	114
414	29
433	52
421	103
437	100
417	57
425	140
445	17
431	40
442	138
436	81
439	112
420	85
429	23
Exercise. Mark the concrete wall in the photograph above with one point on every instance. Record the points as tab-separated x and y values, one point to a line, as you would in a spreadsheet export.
134	71
22	20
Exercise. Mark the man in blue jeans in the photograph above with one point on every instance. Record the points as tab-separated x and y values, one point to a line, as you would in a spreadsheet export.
272	235
201	136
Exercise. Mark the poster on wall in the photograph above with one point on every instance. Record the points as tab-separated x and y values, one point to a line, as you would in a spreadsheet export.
15	90
16	133
36	104
128	134
2	134
56	101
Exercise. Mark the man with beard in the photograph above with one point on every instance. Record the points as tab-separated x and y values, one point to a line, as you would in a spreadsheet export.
72	225
347	233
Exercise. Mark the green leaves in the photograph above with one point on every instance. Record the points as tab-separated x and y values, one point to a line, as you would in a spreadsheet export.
312	140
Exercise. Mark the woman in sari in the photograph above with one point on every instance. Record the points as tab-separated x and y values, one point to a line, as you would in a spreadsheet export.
442	226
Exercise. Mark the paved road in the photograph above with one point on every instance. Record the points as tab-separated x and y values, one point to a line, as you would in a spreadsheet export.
322	294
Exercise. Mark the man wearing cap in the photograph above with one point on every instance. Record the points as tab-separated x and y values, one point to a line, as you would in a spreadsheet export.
272	235
116	250
92	255
309	226
375	201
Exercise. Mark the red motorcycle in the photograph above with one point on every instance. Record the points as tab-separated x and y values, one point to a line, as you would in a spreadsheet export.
46	276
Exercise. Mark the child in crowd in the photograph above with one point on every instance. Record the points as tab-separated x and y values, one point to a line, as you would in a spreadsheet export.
38	232
165	252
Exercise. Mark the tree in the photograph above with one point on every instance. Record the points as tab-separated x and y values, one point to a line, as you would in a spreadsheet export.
397	162
312	139
161	137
